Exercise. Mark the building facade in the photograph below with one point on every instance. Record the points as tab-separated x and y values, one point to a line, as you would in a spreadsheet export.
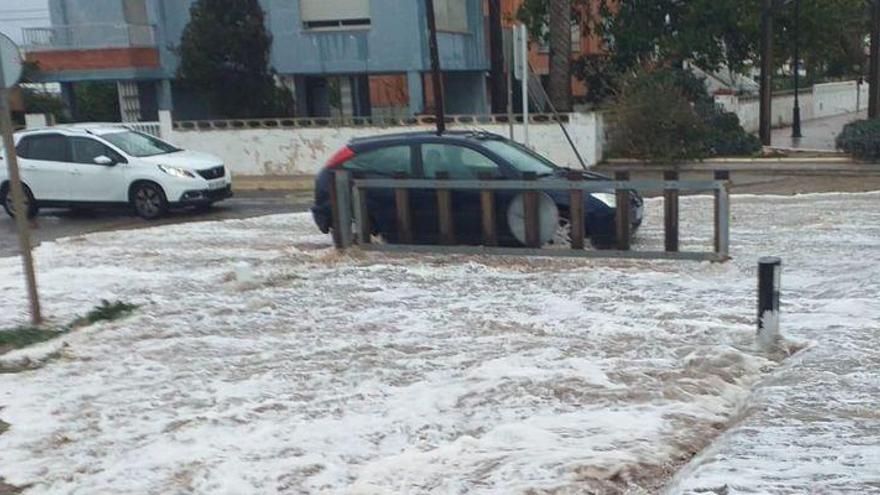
340	57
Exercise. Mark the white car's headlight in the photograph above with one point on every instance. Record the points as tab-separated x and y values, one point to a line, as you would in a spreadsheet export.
608	199
178	172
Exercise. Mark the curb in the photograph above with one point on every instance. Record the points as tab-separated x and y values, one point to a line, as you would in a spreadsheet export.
273	183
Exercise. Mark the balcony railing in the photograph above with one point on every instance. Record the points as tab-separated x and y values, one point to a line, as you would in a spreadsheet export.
89	36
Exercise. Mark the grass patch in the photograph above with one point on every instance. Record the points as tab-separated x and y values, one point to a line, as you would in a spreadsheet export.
25	336
20	337
107	311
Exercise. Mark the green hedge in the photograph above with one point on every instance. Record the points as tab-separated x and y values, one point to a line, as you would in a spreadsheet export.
861	139
666	115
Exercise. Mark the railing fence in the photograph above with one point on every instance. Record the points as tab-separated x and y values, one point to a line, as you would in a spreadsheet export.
351	216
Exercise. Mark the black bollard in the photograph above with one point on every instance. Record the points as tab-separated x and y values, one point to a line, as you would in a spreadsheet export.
769	276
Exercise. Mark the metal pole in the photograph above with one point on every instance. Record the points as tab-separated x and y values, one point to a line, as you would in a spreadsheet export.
766	73
437	77
509	59
796	118
21	214
874	76
525	82
769	278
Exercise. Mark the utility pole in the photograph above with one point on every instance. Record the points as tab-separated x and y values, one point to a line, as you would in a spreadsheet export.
766	73
21	216
874	74
498	82
436	75
796	118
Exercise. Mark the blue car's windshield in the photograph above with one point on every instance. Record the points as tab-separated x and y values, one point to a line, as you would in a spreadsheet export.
522	158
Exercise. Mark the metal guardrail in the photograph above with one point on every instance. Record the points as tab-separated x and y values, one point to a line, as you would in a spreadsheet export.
311	122
350	207
89	36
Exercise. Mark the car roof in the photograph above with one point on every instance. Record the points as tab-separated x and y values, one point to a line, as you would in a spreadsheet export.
95	129
452	136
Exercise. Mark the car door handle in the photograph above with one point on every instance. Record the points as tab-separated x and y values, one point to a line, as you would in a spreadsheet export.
75	172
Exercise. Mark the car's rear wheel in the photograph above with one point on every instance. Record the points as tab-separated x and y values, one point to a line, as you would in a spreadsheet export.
9	203
148	200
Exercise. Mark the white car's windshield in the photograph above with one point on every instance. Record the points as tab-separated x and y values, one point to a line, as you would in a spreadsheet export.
522	158
139	144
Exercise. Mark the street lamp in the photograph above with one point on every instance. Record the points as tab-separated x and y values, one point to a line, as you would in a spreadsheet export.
796	120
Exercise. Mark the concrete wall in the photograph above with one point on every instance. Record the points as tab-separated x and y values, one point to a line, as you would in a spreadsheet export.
304	150
823	100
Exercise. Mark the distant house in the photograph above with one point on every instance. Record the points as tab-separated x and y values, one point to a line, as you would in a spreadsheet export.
340	57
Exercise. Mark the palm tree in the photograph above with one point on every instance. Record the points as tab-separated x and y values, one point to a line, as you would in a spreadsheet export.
560	54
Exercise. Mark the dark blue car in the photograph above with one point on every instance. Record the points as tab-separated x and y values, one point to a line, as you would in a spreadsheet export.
464	156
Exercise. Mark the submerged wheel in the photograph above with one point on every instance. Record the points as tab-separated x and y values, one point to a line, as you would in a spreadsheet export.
148	201
9	204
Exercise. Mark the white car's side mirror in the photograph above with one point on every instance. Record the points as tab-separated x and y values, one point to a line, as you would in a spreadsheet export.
104	160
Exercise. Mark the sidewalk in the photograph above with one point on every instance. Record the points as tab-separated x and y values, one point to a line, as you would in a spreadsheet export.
818	134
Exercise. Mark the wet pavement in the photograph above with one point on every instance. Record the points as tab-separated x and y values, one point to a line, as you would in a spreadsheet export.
52	224
818	134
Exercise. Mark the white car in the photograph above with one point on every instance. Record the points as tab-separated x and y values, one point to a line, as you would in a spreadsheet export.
95	166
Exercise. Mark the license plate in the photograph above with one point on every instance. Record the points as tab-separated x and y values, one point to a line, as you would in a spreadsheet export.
216	185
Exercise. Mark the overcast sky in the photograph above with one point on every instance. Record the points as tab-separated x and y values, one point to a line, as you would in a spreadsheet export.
17	14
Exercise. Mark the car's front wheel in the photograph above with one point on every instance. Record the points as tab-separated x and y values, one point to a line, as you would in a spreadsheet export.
9	203
148	200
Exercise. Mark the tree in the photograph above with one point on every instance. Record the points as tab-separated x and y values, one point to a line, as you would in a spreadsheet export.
709	34
560	54
224	54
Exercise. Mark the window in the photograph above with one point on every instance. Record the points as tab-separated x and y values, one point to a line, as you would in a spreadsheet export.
385	161
334	14
451	15
85	150
139	144
47	147
522	158
458	161
135	12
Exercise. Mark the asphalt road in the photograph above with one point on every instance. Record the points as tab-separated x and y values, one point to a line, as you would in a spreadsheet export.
53	224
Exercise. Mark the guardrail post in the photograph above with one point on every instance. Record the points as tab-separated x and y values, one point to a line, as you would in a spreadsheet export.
487	204
576	211
444	212
670	206
363	229
404	215
722	215
530	213
340	204
623	222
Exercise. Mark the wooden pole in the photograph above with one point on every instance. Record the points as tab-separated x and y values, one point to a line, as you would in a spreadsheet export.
496	55
670	203
444	212
404	218
530	214
487	205
576	212
21	213
436	75
623	215
765	121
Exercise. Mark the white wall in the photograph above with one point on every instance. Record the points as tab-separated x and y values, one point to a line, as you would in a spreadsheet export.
823	100
282	151
839	98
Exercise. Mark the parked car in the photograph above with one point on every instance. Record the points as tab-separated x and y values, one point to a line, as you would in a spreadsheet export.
463	155
96	166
